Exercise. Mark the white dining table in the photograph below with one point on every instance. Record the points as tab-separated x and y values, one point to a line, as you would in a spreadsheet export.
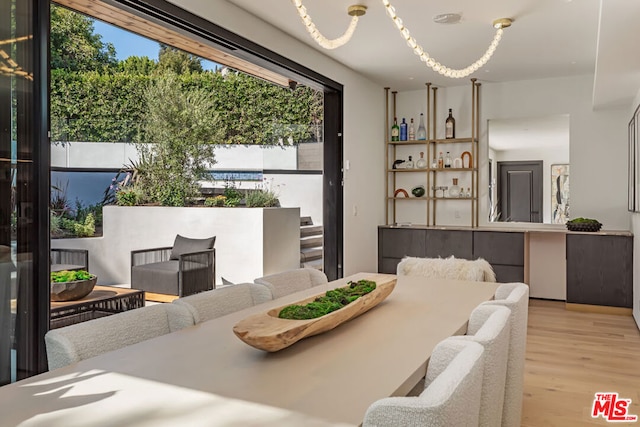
205	376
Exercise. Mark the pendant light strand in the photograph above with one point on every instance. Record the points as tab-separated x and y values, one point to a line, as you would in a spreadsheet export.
430	61
315	33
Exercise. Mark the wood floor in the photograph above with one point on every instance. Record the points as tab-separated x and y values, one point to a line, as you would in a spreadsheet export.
571	356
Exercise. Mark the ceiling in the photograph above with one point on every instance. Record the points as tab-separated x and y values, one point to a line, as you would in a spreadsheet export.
548	39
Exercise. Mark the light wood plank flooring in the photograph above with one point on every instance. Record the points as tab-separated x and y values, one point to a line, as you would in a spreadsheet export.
571	356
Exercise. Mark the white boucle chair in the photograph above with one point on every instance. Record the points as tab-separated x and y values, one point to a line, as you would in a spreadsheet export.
88	339
452	397
490	326
219	302
447	268
514	296
291	281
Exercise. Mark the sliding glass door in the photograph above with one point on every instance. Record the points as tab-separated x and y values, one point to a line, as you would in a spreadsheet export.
24	183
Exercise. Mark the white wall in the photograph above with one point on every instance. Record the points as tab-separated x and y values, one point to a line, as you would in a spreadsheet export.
598	147
363	127
635	228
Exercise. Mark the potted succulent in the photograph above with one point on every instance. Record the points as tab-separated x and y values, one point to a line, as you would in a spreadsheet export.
70	285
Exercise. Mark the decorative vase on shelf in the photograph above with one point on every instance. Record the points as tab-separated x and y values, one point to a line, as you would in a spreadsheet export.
422	132
457	163
454	190
467	160
421	163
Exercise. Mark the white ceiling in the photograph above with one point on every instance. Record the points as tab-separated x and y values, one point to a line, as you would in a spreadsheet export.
549	38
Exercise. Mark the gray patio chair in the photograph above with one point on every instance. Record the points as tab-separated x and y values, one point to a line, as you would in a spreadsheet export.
186	268
69	259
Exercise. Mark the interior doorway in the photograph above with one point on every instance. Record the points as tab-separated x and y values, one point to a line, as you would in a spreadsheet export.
520	191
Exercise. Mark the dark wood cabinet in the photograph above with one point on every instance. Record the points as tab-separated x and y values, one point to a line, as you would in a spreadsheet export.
600	270
503	250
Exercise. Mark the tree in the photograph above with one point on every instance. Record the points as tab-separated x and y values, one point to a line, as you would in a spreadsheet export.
180	128
138	65
74	46
177	61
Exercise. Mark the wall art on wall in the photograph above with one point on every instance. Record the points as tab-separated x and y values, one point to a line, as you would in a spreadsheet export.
559	193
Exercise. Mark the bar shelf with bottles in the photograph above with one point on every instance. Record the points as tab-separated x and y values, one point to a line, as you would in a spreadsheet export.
436	178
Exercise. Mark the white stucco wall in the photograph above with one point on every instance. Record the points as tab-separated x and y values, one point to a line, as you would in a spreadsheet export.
246	239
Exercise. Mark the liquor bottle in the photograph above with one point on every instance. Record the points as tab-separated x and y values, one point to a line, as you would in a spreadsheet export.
409	164
403	130
450	126
422	132
434	162
395	130
421	163
412	131
447	160
440	161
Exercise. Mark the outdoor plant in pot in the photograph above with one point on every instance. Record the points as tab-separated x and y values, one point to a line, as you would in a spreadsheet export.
70	285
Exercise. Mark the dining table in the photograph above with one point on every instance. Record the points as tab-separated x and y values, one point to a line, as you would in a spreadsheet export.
204	375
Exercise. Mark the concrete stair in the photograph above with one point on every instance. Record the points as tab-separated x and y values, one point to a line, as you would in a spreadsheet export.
311	244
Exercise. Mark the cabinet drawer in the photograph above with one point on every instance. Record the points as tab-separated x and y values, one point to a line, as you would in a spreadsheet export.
398	243
508	273
444	243
499	248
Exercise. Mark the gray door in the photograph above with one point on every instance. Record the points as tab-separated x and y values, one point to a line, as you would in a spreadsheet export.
520	191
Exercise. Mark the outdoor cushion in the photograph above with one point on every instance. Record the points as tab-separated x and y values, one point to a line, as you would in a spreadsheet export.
184	245
157	277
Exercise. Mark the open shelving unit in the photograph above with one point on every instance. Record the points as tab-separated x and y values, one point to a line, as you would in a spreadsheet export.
432	177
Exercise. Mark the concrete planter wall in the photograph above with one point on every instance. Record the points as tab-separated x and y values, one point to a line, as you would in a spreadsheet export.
250	242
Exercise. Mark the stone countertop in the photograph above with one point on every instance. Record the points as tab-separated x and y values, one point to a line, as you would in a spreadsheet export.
511	228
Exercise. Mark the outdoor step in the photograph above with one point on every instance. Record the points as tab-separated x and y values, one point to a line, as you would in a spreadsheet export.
310	254
311	241
306	220
318	264
311	230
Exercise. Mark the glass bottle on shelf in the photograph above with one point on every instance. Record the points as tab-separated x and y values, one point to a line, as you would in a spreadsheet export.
409	164
434	162
412	131
422	132
450	126
454	190
447	160
403	130
421	163
440	161
468	193
395	130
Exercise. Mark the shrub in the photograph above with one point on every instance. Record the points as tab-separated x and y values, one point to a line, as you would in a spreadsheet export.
262	199
217	201
129	196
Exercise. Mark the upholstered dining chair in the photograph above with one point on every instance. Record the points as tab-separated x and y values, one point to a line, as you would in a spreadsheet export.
219	302
81	341
291	281
451	398
187	267
490	326
514	296
447	268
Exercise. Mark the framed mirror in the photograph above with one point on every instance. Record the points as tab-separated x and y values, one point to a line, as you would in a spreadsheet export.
529	169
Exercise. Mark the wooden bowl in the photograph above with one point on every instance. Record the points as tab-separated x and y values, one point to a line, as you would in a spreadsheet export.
266	331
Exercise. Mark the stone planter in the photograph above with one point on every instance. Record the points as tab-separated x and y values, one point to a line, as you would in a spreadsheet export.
71	291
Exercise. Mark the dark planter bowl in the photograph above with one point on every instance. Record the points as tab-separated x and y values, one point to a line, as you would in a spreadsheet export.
591	227
71	291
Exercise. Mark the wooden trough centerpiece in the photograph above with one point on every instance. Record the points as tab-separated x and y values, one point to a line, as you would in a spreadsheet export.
266	331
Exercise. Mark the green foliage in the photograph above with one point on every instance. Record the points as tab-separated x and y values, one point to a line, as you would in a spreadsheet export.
332	300
69	276
138	65
128	196
74	46
216	201
232	196
583	221
87	228
262	199
177	61
179	130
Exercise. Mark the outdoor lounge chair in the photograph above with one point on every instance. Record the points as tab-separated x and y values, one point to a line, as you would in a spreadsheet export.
186	268
69	259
